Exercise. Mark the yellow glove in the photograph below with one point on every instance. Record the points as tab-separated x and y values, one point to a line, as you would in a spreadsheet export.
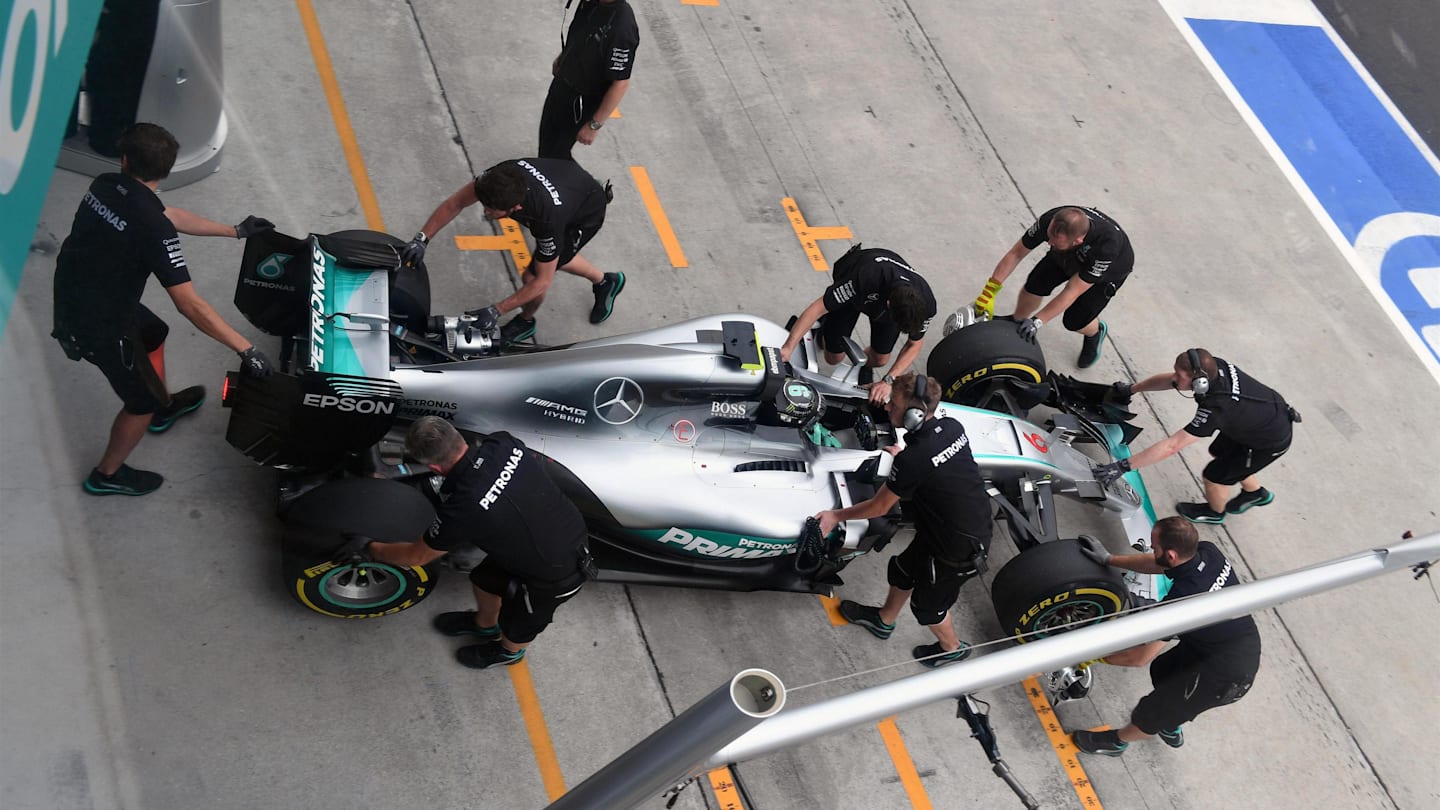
985	303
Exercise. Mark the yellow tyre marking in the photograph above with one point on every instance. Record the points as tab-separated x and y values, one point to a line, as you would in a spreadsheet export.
657	216
904	766
1018	367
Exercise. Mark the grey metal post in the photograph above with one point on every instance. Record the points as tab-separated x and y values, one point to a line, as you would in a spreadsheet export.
679	746
1015	664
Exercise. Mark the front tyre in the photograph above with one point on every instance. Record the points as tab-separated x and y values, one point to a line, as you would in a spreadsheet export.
1051	588
361	590
973	363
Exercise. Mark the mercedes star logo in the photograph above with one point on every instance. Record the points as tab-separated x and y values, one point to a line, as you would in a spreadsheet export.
618	400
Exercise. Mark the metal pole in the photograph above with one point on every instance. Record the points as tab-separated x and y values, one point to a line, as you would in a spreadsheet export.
1017	663
680	746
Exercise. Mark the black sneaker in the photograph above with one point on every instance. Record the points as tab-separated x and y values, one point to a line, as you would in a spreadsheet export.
1106	743
181	403
1174	738
1090	348
517	329
1245	500
462	623
126	481
867	617
1199	513
605	294
931	655
489	654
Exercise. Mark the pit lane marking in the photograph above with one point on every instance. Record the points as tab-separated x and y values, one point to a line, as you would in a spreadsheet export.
535	727
904	765
348	143
658	217
810	235
832	609
714	3
1059	740
727	792
509	239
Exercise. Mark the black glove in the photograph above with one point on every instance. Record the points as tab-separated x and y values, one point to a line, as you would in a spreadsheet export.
1120	392
255	363
486	318
1107	474
356	550
414	251
1029	327
1094	550
252	225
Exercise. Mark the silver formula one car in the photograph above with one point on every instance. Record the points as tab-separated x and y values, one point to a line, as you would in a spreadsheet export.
693	451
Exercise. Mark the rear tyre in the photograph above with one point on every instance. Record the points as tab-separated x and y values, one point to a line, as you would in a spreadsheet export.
1053	587
360	590
971	363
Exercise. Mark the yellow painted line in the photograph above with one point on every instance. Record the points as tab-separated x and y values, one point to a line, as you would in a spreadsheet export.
726	791
832	609
700	2
1065	750
615	113
909	777
657	216
509	239
348	144
809	235
535	727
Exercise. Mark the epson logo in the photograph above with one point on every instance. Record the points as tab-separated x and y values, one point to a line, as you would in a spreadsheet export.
736	410
348	405
317	306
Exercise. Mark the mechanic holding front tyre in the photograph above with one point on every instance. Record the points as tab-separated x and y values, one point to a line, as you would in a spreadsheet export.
938	476
1089	254
1209	667
879	284
498	497
1254	422
122	234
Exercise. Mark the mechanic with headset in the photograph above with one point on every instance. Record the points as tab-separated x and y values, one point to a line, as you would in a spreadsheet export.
938	475
1089	254
1209	667
1254	422
496	496
591	74
122	234
879	284
562	206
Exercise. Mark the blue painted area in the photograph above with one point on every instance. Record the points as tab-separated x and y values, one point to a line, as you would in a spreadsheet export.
1345	145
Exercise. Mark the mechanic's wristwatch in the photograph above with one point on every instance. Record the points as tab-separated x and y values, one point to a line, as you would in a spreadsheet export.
595	124
888	379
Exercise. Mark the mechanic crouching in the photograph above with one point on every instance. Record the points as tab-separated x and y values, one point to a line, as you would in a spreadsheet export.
1209	667
937	474
498	497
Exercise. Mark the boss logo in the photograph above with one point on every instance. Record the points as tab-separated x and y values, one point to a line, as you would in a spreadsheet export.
736	410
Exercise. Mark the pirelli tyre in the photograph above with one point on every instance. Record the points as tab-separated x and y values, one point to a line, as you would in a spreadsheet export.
970	360
319	523
359	590
1051	588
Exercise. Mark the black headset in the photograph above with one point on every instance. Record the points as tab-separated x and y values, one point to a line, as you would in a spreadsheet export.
914	416
1199	381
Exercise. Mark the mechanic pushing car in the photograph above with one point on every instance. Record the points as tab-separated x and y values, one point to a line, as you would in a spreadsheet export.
1254	422
1209	667
937	474
562	206
498	497
880	285
1089	254
122	234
